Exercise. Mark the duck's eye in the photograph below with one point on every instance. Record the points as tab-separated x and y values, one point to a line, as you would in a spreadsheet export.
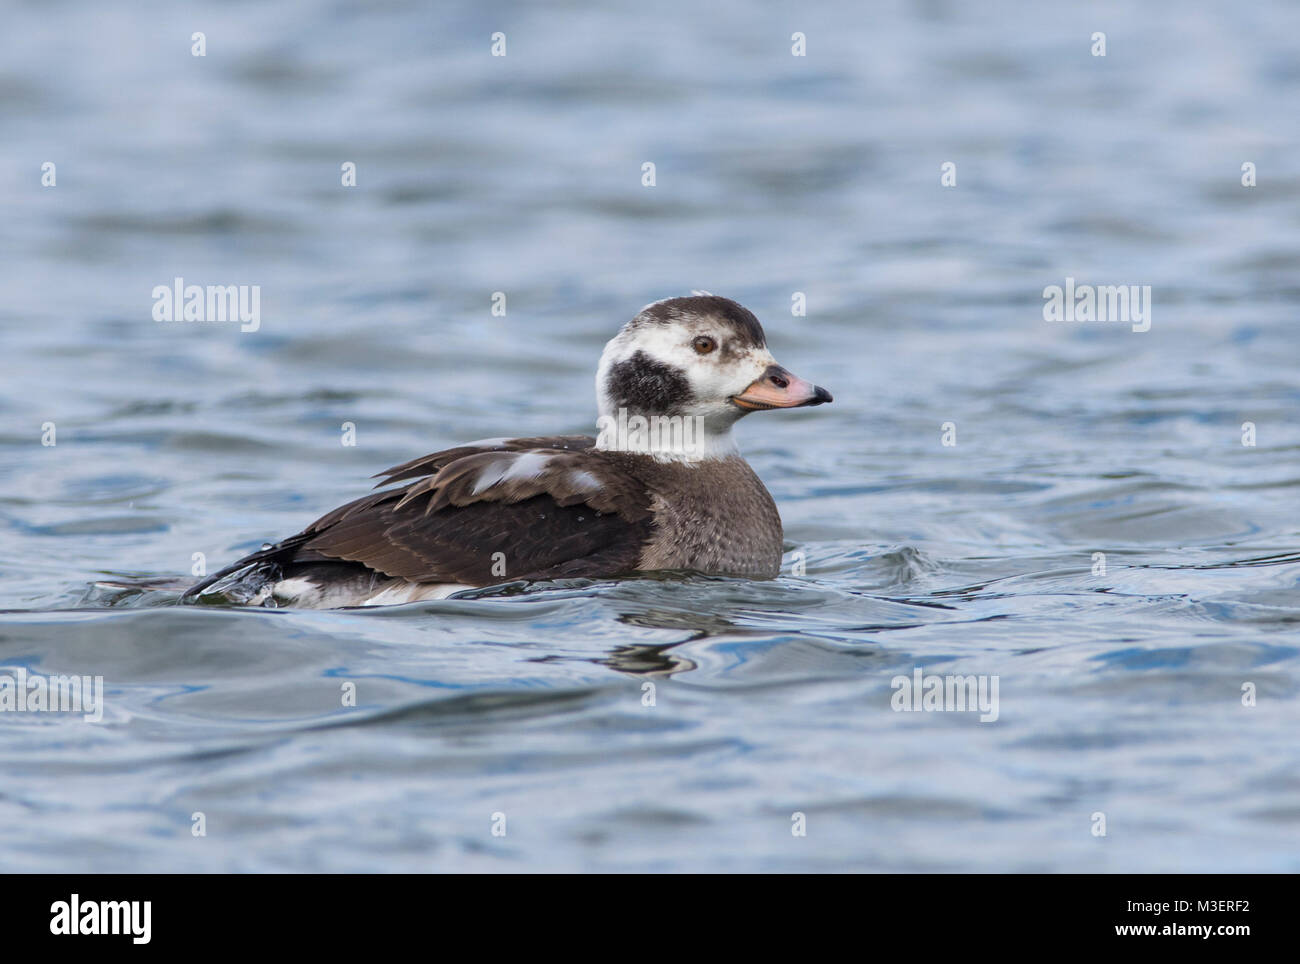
704	344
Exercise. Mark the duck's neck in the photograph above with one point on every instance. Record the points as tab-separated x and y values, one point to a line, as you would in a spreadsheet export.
675	438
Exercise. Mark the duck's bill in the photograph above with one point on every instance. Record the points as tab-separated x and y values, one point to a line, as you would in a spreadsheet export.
779	388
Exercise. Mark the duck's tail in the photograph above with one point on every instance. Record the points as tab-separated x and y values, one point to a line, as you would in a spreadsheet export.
268	561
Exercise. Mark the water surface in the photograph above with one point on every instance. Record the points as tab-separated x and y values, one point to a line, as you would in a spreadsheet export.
1120	690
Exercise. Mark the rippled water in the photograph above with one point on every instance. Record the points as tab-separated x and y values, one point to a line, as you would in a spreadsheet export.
1121	691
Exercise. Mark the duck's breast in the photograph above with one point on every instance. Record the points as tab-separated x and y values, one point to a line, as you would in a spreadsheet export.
714	516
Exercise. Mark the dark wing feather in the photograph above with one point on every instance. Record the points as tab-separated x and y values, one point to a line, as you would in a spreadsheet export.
584	515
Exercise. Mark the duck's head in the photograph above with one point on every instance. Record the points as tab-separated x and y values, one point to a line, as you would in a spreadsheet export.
702	358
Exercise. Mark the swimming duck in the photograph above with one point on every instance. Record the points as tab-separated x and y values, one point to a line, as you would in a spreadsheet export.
661	486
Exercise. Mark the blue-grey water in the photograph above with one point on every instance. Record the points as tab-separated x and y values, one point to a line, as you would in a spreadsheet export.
1125	680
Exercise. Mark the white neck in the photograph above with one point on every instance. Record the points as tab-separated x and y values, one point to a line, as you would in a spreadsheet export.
678	438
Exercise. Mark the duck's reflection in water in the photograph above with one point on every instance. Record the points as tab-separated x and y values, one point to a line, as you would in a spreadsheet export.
660	659
646	660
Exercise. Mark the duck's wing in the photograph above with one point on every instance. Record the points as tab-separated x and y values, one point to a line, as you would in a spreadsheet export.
482	514
429	464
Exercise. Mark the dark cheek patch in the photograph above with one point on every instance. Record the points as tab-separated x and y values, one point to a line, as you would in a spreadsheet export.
648	387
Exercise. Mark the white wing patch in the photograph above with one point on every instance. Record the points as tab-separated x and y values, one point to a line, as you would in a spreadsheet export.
511	468
486	443
582	479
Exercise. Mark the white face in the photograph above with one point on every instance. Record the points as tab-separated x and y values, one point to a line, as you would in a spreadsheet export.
713	375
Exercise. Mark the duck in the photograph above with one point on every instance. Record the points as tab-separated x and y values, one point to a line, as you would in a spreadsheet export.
661	486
